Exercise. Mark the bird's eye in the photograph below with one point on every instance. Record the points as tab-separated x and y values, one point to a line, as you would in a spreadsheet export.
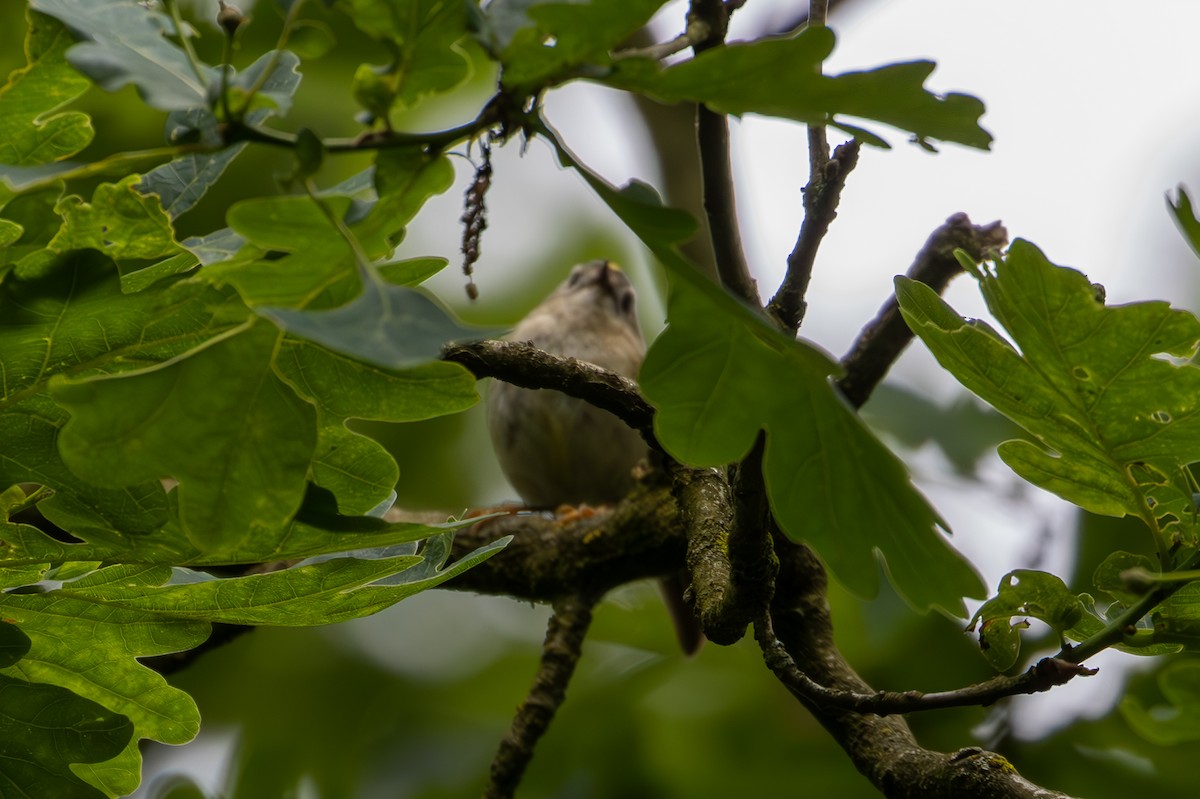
626	303
575	277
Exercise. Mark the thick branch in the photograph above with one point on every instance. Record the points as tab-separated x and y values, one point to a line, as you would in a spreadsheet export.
882	748
881	342
560	654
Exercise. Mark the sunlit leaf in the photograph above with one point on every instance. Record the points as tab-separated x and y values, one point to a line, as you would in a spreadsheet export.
1107	391
30	131
119	222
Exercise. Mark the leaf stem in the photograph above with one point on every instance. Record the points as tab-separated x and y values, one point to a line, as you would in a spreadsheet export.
289	22
1120	627
197	65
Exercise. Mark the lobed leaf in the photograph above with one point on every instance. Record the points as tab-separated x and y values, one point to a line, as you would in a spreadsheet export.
782	77
237	439
538	42
1108	392
426	38
125	42
829	480
47	729
181	182
30	132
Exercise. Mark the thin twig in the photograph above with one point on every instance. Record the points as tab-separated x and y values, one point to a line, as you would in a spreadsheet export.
524	365
885	337
827	178
560	654
712	135
1042	676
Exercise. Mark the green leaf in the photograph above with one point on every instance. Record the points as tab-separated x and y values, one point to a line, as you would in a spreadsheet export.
45	730
1185	217
311	38
1178	722
181	183
75	322
14	644
237	439
355	468
92	650
1072	616
119	222
541	42
829	480
321	592
30	133
389	326
124	43
782	78
1030	593
426	38
1107	391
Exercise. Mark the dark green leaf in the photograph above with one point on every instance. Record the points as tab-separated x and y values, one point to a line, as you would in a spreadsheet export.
1106	390
782	77
30	131
181	182
45	729
241	456
389	326
14	644
125	42
355	468
830	481
541	42
321	592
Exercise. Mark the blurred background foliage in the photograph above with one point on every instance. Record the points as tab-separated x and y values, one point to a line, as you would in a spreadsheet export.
411	703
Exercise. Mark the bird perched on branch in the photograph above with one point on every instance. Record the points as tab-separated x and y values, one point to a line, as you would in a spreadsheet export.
558	450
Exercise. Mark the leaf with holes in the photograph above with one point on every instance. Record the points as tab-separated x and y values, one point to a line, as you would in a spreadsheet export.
1109	393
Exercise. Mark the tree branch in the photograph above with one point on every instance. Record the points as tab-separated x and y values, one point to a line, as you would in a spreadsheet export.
524	365
827	178
1047	673
560	654
885	337
882	748
712	135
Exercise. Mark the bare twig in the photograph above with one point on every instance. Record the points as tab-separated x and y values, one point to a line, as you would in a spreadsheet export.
524	365
712	135
827	178
1042	676
882	748
885	337
560	653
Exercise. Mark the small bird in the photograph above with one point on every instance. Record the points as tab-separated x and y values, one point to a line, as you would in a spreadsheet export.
558	450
